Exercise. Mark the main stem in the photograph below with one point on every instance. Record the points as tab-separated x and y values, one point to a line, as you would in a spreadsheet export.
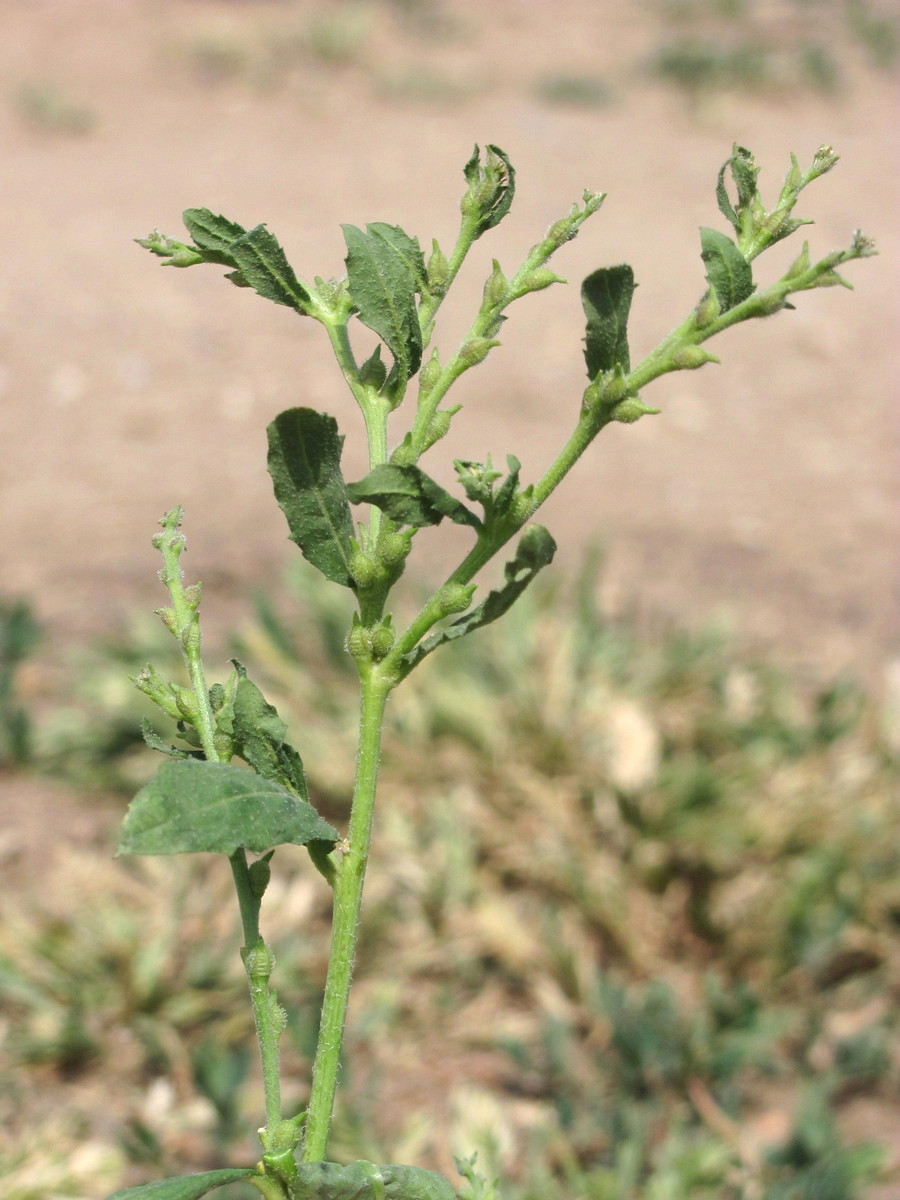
348	890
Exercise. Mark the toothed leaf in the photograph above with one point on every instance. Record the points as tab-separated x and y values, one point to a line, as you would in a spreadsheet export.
193	805
606	299
727	271
410	497
305	465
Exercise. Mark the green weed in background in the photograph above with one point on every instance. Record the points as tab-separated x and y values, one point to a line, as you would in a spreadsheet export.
46	108
19	636
618	993
704	48
714	46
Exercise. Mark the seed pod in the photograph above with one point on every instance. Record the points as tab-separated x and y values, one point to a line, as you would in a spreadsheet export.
363	569
631	410
438	270
359	640
192	595
496	288
475	350
455	597
168	618
537	280
394	547
707	310
382	641
428	376
439	425
689	358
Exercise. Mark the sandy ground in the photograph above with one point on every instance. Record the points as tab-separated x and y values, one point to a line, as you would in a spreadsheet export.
766	492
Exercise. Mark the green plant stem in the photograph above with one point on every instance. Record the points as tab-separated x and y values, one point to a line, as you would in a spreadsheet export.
468	235
268	1187
247	902
348	888
186	628
268	1031
374	407
598	410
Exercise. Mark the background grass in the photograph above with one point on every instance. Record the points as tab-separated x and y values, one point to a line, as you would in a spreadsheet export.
632	925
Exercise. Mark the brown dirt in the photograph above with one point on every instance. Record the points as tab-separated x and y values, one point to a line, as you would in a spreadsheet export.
766	492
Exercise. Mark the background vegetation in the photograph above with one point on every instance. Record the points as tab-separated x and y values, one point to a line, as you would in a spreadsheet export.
632	927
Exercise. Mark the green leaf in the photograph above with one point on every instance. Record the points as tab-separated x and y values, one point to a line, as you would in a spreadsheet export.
415	1183
185	1187
263	265
535	551
383	287
606	300
258	734
744	172
362	1180
410	497
727	271
193	805
305	465
406	248
509	488
211	232
491	187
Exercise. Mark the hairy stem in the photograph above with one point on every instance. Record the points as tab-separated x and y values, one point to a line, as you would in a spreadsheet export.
348	888
269	1019
247	901
374	407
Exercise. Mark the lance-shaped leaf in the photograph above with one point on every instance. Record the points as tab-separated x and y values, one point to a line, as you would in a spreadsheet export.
258	733
193	805
383	284
491	187
405	248
535	551
727	271
212	233
263	265
305	465
410	497
184	1187
508	491
606	300
744	172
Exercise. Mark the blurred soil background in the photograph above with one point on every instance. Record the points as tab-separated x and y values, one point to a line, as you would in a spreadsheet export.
650	915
